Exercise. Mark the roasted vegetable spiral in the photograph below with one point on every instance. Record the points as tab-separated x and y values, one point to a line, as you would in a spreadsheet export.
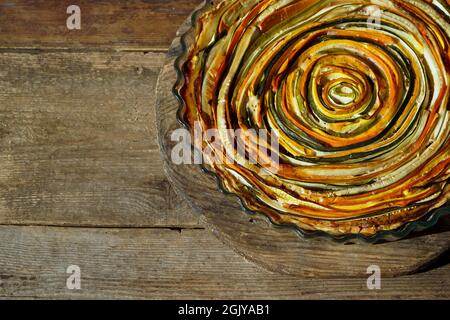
356	92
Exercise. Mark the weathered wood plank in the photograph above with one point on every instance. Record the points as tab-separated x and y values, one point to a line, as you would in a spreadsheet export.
155	263
78	142
118	25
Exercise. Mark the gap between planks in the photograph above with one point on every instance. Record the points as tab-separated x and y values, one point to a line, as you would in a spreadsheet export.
44	50
111	227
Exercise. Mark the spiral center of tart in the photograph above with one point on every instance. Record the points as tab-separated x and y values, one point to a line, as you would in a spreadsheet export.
342	94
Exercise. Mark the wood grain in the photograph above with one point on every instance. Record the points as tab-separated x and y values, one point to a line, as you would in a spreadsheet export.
149	263
78	142
279	249
143	25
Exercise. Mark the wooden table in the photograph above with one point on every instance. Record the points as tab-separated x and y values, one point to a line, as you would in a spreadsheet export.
81	178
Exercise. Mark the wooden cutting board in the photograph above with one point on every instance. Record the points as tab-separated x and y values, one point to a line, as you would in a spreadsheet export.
279	249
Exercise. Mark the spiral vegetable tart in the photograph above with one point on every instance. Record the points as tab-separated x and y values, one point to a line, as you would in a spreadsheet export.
355	92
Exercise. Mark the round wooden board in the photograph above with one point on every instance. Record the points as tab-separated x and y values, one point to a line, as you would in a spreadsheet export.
279	249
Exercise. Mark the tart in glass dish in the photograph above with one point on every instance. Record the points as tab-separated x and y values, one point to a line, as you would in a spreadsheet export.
332	117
